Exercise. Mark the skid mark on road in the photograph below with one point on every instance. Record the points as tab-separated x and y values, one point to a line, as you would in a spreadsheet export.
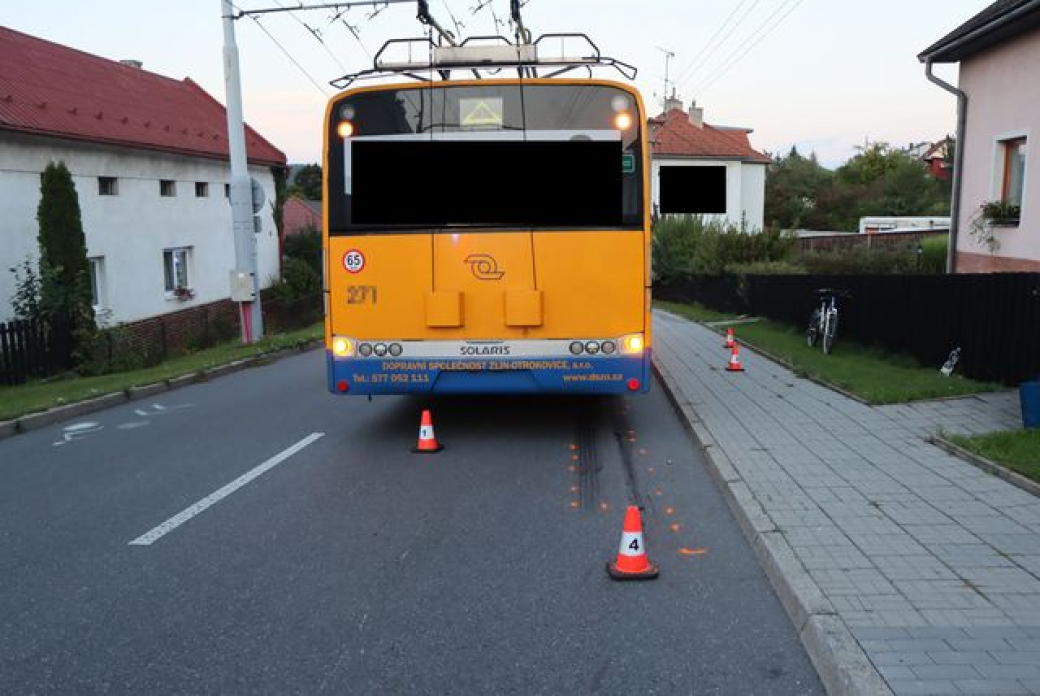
586	461
150	537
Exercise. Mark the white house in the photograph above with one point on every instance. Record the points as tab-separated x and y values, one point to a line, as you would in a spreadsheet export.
703	169
149	158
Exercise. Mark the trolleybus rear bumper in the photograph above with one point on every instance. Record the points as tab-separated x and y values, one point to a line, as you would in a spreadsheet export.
585	375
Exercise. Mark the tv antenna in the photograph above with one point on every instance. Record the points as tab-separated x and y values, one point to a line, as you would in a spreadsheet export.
668	56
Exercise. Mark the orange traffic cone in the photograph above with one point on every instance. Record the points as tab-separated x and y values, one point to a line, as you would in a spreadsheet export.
734	361
729	338
632	563
427	440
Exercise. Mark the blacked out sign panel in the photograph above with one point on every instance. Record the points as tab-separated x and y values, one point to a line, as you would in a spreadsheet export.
698	190
507	183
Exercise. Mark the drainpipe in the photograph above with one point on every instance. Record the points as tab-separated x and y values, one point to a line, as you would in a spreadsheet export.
958	165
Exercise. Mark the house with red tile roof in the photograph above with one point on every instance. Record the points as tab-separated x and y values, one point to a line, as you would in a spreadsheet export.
301	215
149	158
706	170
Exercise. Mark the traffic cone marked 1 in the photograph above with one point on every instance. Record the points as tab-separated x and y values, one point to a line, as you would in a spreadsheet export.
734	361
427	443
632	563
729	338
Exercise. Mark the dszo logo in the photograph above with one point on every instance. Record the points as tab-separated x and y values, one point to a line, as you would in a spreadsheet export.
484	266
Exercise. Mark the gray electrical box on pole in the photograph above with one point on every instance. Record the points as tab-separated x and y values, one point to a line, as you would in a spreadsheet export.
242	195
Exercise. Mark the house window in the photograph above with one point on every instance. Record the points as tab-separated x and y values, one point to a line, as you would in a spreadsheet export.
168	188
697	190
201	189
1014	170
227	190
108	186
175	270
97	282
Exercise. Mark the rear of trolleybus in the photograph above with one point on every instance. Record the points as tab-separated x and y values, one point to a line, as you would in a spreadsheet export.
487	236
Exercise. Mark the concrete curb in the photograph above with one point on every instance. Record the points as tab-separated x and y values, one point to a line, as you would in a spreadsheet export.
991	467
839	660
34	421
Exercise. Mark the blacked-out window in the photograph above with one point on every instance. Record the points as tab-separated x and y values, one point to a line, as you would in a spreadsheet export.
692	189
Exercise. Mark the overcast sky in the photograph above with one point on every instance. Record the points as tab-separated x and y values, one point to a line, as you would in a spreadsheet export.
821	74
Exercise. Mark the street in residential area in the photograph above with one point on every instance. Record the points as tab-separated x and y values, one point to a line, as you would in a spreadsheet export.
353	565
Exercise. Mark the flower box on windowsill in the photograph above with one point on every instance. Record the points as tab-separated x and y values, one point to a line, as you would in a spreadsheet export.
183	294
1004	222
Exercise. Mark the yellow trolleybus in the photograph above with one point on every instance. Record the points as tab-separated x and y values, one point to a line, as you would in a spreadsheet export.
487	235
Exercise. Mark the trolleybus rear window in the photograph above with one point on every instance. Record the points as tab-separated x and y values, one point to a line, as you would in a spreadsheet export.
498	156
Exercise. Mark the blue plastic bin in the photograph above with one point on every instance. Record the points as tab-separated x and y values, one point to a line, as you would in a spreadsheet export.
1029	394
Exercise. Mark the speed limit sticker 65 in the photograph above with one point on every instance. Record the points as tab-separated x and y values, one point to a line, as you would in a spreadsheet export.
353	261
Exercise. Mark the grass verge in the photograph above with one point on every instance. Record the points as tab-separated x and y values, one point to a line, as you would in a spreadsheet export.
694	311
39	396
1018	450
875	376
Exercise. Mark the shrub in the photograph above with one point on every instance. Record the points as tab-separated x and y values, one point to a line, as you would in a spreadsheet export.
863	260
933	254
305	246
112	349
299	279
686	245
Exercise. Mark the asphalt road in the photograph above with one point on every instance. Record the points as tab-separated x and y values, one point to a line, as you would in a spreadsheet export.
354	566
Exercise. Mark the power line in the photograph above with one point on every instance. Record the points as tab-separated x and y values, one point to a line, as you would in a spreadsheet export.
711	47
283	50
742	52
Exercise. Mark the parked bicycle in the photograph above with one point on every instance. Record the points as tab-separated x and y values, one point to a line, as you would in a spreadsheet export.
823	324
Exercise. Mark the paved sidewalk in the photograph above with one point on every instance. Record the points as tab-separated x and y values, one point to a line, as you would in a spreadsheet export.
889	554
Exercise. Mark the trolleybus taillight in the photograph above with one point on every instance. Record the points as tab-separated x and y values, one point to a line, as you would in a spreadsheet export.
632	344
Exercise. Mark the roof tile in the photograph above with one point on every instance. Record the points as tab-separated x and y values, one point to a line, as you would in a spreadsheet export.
673	134
49	89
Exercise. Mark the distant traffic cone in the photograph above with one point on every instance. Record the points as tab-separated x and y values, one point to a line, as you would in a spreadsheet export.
729	338
734	361
427	440
632	563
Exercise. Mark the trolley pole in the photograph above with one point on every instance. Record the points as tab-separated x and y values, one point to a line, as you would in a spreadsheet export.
241	195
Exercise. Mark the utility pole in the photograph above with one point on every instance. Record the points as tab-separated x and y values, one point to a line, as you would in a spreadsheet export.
250	316
668	56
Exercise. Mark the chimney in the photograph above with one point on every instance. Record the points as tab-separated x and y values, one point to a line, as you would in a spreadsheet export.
131	63
696	115
672	102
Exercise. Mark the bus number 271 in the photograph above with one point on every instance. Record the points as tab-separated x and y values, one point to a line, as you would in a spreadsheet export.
361	294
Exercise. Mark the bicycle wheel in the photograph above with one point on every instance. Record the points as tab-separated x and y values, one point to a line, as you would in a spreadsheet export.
830	332
813	332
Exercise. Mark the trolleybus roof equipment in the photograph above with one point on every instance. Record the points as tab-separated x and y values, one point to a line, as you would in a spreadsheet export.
479	54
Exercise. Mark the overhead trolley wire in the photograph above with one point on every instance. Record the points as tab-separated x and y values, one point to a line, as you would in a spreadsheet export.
286	52
755	38
316	33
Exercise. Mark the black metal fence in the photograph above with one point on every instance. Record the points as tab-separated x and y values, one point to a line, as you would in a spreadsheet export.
32	349
994	318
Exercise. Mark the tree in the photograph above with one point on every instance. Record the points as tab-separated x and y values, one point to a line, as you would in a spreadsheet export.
307	182
64	269
793	184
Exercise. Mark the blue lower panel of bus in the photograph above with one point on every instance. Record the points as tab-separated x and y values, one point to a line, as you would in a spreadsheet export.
587	375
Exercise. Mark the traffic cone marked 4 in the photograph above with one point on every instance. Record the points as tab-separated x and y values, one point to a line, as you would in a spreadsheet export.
427	443
632	563
734	361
